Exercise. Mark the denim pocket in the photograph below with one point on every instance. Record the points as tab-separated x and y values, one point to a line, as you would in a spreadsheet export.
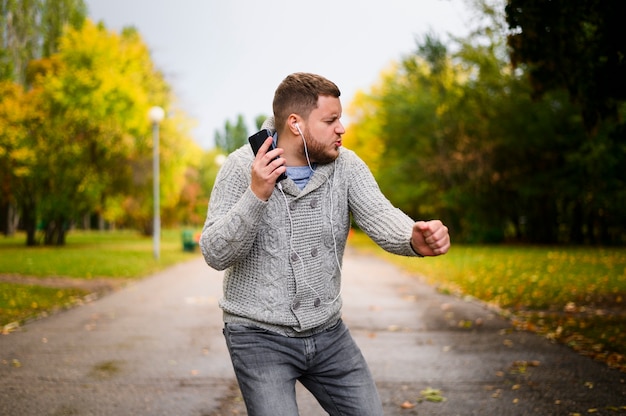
243	329
335	326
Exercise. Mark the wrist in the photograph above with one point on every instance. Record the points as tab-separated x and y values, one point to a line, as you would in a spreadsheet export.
414	250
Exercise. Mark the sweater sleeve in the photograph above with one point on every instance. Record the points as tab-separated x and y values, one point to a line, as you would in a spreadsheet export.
385	224
233	215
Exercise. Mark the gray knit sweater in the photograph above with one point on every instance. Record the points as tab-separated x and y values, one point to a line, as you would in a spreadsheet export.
282	257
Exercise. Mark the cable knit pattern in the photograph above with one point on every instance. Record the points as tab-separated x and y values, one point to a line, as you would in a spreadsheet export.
282	274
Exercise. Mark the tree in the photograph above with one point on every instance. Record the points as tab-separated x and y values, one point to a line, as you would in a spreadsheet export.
20	37
96	93
210	163
365	135
576	45
259	120
233	136
181	159
19	117
458	136
55	15
580	47
29	30
416	106
75	138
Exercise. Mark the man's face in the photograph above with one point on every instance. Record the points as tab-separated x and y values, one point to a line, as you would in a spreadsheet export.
323	130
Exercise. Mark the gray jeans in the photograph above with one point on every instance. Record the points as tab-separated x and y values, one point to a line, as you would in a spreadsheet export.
329	364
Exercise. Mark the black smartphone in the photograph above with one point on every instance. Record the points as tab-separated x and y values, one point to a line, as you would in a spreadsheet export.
257	140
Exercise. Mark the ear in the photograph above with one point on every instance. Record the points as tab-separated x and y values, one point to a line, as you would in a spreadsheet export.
292	121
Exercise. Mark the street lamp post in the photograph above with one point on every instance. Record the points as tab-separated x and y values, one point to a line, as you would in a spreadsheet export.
156	115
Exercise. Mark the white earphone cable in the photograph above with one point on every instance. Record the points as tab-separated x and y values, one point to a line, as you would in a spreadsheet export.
332	228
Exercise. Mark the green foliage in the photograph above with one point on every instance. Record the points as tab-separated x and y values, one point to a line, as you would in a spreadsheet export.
365	136
458	136
181	158
588	38
96	95
233	136
79	142
55	14
30	29
210	165
259	120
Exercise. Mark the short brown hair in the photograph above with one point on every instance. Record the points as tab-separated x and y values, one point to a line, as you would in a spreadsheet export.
298	94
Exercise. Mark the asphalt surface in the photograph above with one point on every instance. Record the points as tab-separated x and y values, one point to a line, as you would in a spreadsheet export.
155	347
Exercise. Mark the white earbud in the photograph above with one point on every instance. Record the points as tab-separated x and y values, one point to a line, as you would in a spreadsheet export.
299	131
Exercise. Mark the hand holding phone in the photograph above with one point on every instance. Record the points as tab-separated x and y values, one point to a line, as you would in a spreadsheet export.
257	140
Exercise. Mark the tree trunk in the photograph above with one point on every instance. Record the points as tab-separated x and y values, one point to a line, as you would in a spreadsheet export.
55	233
29	219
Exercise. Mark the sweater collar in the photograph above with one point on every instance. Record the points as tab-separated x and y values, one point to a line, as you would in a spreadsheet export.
321	175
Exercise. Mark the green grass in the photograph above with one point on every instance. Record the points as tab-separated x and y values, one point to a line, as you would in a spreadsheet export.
86	255
19	302
573	295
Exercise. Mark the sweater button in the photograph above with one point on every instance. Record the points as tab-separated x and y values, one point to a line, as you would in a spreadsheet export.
296	305
314	252
294	256
292	205
317	302
314	203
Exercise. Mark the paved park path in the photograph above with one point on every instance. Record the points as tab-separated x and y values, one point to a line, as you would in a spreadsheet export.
155	348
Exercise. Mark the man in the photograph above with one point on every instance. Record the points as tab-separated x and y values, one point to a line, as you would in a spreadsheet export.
282	244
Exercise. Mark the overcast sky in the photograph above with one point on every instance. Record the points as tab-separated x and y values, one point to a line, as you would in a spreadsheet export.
226	57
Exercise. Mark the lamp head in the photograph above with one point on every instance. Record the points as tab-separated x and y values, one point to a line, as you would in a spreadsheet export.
156	114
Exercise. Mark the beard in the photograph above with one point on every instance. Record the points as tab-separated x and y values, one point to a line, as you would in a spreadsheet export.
319	152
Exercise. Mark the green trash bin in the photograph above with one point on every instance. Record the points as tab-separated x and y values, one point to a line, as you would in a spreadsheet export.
189	243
